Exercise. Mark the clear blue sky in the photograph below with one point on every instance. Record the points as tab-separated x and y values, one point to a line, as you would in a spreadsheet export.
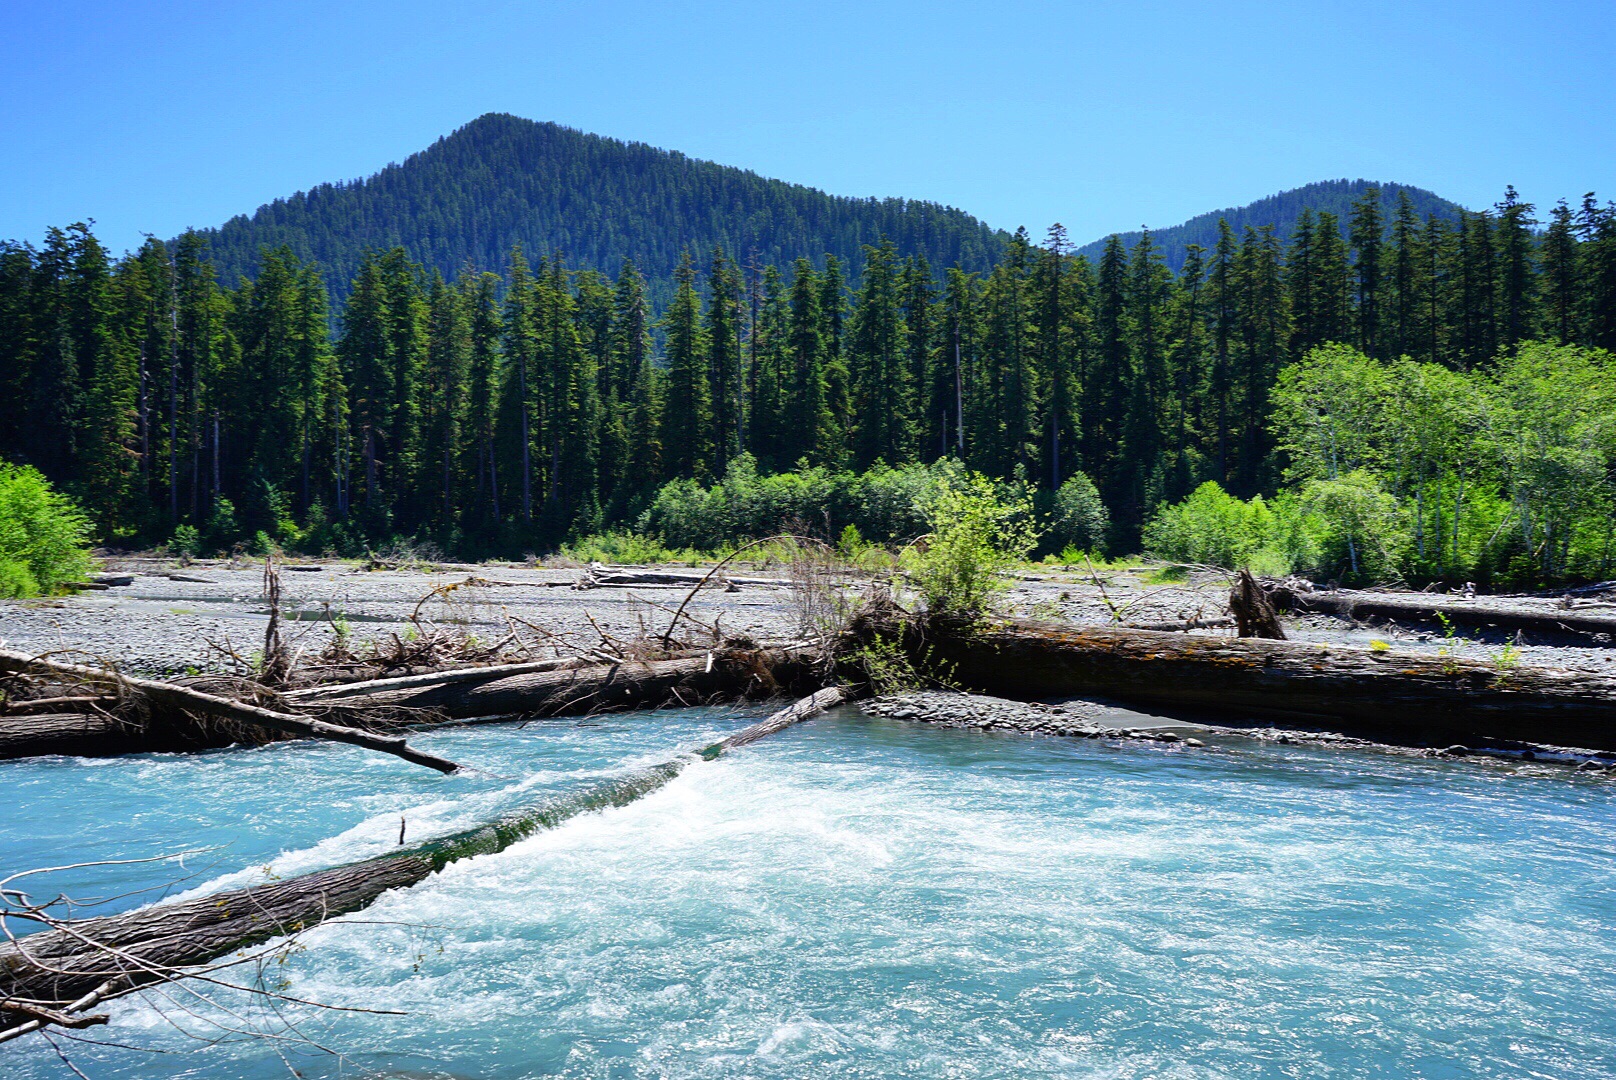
1105	116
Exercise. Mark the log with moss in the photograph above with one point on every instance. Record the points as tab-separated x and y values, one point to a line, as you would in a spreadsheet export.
1397	696
120	953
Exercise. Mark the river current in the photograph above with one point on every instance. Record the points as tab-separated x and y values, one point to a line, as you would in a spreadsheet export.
862	898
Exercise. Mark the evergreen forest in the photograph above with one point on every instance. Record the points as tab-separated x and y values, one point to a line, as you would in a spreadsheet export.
502	413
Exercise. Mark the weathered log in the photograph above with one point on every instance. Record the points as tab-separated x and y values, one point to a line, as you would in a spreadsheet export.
1474	613
84	734
630	684
600	575
1399	696
318	695
1181	625
195	701
158	943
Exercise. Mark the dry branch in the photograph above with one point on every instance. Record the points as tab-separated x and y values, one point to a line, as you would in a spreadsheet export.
211	705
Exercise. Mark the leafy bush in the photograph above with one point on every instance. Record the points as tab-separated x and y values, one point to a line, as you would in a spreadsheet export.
976	534
1078	519
1211	526
187	541
619	547
883	503
44	537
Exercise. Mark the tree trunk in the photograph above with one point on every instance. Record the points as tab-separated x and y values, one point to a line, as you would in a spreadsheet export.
1420	608
1402	697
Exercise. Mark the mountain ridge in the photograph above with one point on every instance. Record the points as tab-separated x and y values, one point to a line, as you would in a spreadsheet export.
501	181
1280	210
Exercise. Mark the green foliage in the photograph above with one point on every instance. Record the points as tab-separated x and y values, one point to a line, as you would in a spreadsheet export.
885	666
223	529
1212	527
186	541
44	537
977	534
621	547
1078	519
883	504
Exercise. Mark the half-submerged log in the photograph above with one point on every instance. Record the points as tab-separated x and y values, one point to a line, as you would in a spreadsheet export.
1399	696
85	734
113	955
1351	604
185	699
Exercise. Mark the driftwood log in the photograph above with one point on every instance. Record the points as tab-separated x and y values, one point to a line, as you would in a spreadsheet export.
592	688
1474	613
115	954
1398	696
35	734
545	688
185	699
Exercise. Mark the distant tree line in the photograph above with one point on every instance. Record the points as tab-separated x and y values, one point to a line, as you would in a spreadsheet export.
506	412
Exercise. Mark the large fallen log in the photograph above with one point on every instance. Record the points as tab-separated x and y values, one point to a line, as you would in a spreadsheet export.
188	700
591	688
599	576
1351	604
120	953
319	695
85	734
1400	696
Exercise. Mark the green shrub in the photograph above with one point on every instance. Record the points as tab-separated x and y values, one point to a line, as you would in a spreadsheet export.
883	503
186	541
1211	526
618	547
977	533
222	529
1078	519
44	537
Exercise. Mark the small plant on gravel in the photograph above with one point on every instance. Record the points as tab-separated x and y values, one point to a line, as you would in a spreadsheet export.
976	535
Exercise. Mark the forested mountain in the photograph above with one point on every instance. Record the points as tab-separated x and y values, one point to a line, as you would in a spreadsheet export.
1281	211
502	181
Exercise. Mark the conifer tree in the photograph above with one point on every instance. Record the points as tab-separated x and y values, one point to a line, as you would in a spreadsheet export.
1516	279
1560	283
724	358
879	357
1367	229
687	420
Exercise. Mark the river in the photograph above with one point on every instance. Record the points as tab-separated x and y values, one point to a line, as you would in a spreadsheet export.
864	898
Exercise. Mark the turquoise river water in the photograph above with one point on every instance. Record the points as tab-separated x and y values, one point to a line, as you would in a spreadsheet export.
862	898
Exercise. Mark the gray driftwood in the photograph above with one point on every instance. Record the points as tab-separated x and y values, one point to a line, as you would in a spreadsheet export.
169	696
